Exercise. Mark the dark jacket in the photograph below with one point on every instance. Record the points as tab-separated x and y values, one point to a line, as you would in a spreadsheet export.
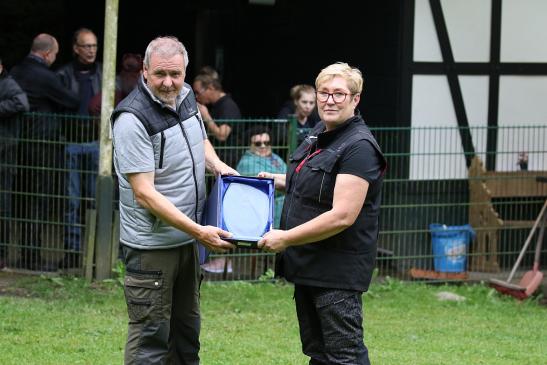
44	90
68	77
345	260
13	100
45	94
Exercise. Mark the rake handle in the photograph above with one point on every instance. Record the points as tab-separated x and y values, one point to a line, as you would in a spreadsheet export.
539	243
528	240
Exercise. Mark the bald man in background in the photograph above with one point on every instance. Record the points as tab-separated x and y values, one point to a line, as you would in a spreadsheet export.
39	152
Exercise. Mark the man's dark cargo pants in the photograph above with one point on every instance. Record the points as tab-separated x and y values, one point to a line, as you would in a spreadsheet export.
162	295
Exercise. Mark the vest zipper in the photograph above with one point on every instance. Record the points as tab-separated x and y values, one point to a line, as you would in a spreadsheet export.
297	173
193	170
321	187
162	148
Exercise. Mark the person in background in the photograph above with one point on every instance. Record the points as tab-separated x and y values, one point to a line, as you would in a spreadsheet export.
290	106
40	153
216	104
208	70
329	225
259	157
161	152
13	101
83	75
302	106
126	80
213	104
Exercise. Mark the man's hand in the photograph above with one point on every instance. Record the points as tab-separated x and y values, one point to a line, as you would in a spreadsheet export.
224	169
274	241
212	238
204	113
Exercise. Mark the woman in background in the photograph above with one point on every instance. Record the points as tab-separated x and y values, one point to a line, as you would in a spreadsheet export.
302	105
259	157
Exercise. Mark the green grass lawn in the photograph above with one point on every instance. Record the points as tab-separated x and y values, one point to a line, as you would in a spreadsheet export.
66	321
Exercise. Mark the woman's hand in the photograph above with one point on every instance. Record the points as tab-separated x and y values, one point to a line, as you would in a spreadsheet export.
274	241
279	179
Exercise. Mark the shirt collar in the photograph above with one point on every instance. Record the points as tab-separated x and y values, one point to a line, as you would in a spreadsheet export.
37	59
324	137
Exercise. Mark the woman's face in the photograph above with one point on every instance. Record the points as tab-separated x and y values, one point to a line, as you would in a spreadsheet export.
305	105
335	112
261	145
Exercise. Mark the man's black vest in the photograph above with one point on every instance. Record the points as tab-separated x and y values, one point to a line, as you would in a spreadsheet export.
345	260
154	116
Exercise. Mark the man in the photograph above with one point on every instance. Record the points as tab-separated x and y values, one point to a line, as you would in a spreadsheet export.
41	157
330	221
13	100
208	90
160	154
83	76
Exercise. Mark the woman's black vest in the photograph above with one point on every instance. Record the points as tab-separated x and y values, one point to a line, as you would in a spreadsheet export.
345	260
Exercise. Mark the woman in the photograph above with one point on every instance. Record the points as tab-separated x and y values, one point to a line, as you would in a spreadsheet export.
301	103
259	157
329	223
303	97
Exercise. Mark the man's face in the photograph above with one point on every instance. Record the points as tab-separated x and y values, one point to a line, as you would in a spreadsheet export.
165	77
334	112
86	48
201	92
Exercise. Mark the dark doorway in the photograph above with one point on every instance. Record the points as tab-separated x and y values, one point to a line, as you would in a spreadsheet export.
260	50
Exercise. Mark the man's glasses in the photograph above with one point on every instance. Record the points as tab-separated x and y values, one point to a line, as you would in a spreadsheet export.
336	97
262	143
87	46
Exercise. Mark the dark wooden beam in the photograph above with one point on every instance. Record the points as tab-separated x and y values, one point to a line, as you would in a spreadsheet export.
453	82
494	86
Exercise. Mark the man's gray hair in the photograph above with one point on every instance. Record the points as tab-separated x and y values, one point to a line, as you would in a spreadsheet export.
166	47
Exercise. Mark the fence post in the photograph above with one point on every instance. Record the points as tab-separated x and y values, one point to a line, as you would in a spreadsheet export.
105	184
293	133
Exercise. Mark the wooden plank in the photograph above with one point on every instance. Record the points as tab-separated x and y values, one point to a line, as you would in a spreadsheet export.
90	229
115	238
515	184
435	275
518	224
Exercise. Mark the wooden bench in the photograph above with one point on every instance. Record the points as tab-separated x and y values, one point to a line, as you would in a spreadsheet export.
483	187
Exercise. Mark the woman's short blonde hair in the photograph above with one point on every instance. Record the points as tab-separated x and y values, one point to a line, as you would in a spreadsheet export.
352	75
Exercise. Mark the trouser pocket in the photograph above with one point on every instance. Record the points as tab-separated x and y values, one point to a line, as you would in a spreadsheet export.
143	294
340	314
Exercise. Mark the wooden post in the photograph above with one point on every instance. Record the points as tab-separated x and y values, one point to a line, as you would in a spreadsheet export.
104	181
115	237
90	225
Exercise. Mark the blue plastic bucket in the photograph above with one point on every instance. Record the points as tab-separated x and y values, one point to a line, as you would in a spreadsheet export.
450	246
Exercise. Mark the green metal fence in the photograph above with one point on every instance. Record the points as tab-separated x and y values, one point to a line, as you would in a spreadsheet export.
48	176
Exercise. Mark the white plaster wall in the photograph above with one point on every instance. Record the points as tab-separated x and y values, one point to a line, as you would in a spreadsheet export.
522	108
524	31
435	142
522	100
426	43
468	24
